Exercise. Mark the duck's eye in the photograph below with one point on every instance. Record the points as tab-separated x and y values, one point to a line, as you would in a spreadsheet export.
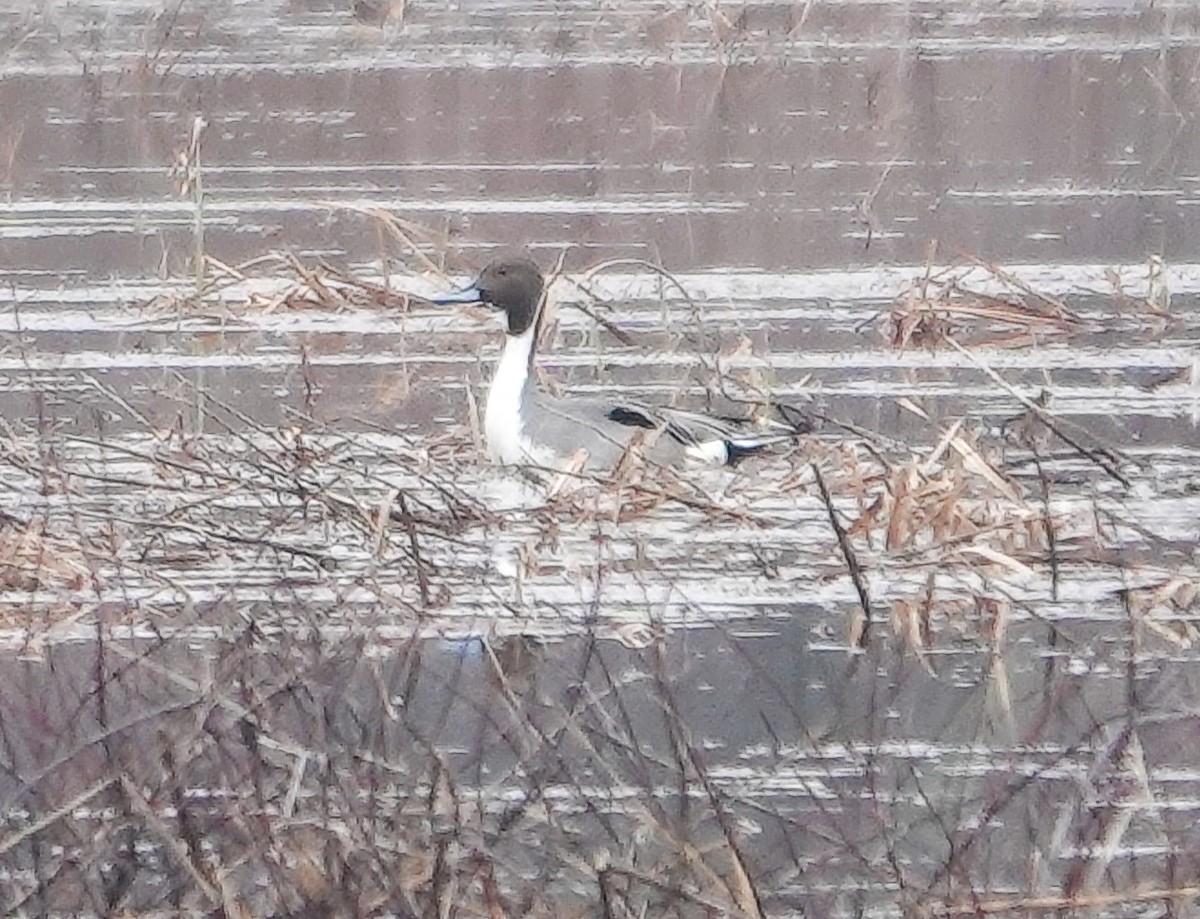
502	271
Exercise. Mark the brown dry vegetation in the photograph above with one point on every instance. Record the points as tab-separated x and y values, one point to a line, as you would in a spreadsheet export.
286	768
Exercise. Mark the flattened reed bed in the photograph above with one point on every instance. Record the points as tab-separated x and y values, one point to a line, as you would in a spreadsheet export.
945	302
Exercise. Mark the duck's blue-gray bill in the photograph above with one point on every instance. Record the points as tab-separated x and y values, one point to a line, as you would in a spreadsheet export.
466	295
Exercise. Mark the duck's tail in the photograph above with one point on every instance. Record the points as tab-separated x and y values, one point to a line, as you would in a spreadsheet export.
716	439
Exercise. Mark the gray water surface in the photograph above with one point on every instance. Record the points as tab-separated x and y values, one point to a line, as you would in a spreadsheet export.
226	684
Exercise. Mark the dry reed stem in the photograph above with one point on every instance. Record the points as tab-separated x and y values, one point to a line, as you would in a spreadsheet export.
31	559
941	304
62	812
405	232
1059	903
302	287
1105	457
945	510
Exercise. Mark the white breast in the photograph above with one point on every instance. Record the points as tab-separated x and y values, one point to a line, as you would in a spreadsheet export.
502	420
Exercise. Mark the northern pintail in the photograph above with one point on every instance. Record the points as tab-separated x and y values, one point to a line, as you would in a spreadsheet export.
525	426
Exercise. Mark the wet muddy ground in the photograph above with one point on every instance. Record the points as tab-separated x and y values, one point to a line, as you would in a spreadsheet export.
275	640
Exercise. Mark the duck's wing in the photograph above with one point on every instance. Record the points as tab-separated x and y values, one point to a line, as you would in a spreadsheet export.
603	427
567	425
709	437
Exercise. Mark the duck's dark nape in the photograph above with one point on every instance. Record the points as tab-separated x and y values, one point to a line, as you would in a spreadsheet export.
513	285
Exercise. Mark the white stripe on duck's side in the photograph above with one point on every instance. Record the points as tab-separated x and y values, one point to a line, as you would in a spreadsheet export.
714	452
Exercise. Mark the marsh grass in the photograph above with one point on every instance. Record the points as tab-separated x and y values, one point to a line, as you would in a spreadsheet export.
985	305
273	677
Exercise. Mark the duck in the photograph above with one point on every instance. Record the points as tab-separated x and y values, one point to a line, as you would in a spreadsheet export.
526	426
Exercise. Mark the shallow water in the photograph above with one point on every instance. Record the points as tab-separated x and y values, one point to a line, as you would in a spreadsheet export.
221	663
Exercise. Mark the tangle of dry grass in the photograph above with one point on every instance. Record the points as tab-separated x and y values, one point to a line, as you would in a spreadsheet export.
297	685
